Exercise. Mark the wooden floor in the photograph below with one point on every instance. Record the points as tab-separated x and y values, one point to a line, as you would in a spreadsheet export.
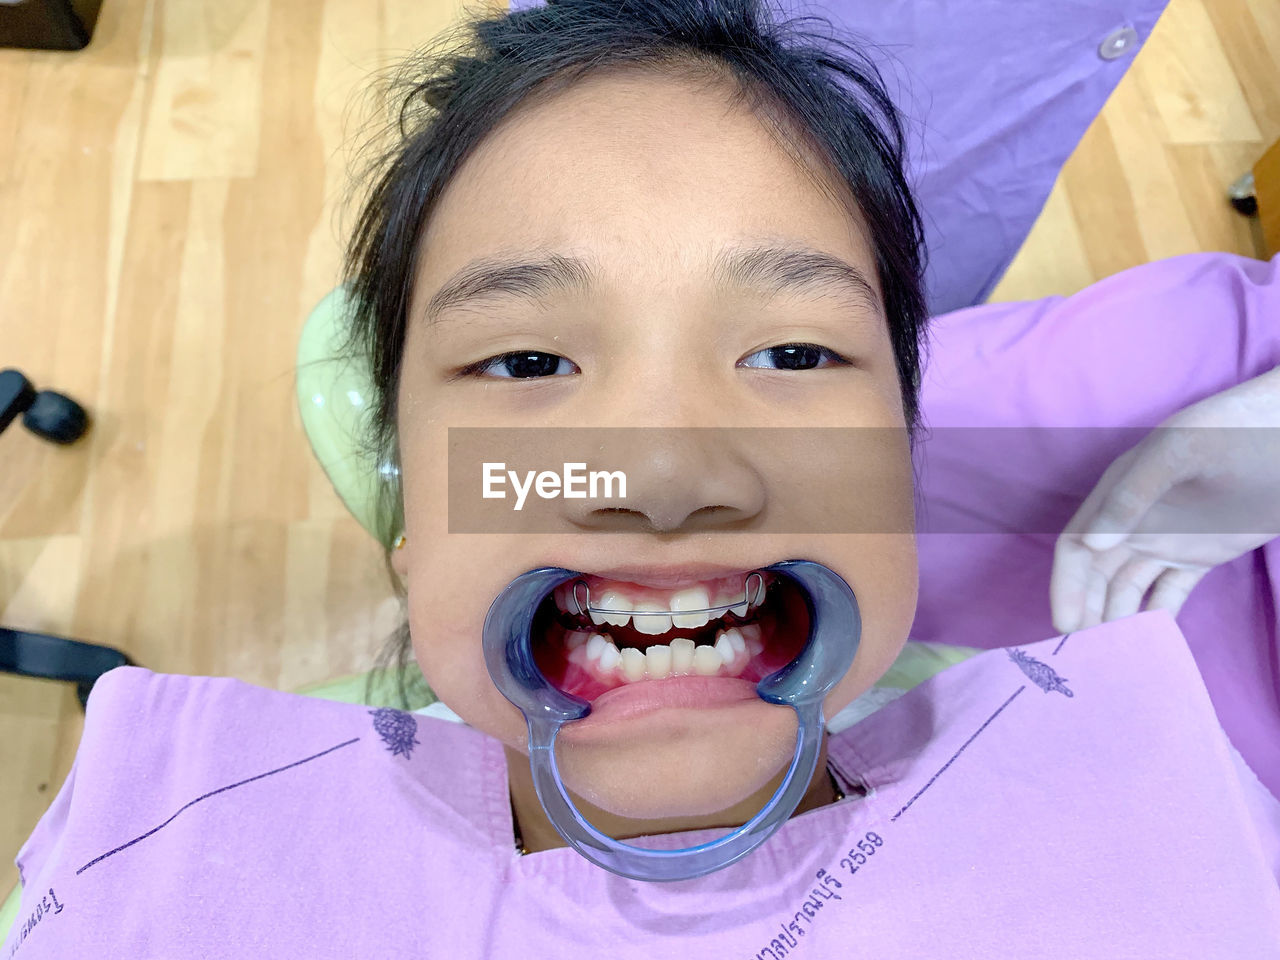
167	190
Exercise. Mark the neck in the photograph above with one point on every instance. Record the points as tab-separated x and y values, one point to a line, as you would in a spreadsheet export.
538	834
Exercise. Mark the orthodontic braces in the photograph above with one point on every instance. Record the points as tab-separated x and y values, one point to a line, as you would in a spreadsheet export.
747	595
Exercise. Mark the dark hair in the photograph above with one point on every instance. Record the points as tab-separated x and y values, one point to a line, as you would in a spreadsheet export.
820	90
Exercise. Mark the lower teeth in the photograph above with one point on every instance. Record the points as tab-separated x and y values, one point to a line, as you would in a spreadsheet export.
600	657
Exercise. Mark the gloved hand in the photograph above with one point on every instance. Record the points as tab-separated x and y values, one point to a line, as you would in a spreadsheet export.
1192	494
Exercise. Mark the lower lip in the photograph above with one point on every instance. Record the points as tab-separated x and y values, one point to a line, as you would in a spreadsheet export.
634	700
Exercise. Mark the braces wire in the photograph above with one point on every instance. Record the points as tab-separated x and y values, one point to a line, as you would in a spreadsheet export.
747	597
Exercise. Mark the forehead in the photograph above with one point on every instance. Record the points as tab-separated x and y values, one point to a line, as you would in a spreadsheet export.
647	169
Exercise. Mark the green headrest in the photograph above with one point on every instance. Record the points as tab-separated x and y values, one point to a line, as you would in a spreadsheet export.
334	393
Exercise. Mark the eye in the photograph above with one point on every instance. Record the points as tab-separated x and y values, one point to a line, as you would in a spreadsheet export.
523	365
794	356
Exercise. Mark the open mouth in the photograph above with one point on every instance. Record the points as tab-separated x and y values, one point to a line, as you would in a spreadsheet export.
592	635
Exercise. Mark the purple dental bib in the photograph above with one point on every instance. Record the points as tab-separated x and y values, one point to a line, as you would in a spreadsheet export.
1071	798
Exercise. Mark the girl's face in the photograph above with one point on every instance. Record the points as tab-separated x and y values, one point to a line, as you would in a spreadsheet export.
650	181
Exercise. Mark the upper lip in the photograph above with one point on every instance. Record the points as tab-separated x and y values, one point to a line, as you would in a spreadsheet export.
670	576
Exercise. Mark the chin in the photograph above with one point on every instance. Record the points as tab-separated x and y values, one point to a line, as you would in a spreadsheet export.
692	771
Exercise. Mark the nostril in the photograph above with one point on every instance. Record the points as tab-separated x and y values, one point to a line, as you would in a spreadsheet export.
717	510
657	520
622	519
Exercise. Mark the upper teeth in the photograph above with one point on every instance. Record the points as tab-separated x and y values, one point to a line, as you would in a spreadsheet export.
651	618
612	600
656	615
695	598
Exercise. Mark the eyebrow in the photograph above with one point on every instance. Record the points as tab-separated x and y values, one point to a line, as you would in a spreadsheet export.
765	268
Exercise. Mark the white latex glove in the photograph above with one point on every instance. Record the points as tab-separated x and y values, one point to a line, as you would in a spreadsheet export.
1130	534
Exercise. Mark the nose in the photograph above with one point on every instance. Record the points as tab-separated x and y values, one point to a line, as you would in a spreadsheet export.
677	479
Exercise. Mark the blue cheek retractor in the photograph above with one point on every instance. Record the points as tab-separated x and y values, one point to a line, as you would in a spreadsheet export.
834	633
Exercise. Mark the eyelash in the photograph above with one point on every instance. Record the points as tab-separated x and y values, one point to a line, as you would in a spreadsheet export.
833	359
482	367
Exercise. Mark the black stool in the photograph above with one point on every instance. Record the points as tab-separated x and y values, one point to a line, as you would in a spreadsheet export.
59	419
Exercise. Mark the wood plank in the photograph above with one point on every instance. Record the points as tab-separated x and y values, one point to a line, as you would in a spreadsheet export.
38	589
1141	135
1252	54
13	91
1104	203
1195	89
203	119
1266	175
